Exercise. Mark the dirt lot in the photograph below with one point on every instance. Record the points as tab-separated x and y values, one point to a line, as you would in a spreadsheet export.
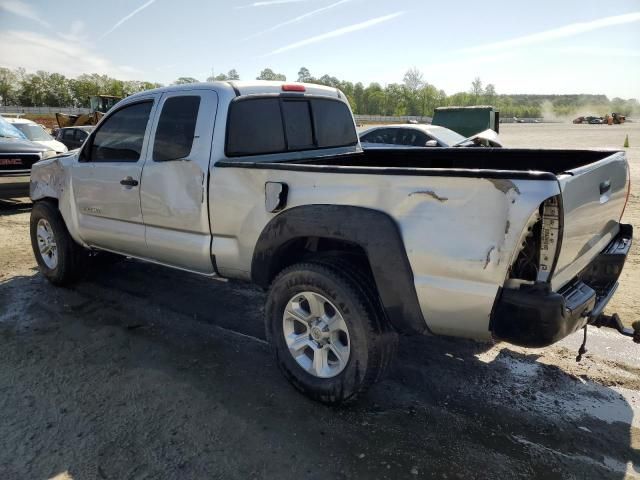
146	373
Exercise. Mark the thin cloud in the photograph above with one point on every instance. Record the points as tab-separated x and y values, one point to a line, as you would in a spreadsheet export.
23	10
556	33
336	33
268	3
298	19
599	51
77	33
127	17
466	62
37	51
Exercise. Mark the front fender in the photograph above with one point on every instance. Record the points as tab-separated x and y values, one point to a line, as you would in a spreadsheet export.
51	179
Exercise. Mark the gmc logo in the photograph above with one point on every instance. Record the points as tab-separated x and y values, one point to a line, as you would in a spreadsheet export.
10	161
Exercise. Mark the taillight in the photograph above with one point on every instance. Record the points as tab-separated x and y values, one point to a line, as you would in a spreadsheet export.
293	87
626	200
549	238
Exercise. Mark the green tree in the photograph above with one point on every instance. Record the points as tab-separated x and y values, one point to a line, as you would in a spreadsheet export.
82	88
185	80
490	94
268	74
8	85
221	77
35	89
413	79
329	81
358	98
57	92
413	96
429	98
476	89
304	75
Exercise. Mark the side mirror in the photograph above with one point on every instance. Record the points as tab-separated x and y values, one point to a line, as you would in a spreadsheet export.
431	143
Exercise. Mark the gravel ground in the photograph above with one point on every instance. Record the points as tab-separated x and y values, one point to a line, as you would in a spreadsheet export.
145	373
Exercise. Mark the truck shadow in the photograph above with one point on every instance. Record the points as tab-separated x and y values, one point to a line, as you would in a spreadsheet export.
574	418
12	206
449	407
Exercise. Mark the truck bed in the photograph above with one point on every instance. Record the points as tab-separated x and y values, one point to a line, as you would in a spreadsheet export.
505	159
479	201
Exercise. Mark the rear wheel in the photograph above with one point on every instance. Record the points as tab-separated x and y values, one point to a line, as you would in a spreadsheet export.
328	335
59	257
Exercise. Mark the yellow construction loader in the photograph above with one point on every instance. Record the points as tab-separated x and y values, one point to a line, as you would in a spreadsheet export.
100	104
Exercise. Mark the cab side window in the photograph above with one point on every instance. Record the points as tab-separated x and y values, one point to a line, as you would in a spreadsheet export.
120	137
381	135
176	128
412	138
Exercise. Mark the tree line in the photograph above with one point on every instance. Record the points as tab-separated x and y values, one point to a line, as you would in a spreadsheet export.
413	96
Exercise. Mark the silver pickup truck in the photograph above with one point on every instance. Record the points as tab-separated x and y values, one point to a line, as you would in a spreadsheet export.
267	182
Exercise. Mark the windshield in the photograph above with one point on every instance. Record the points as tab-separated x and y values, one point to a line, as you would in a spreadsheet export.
9	131
446	136
33	132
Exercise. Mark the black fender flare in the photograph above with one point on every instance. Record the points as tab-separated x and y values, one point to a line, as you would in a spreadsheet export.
374	231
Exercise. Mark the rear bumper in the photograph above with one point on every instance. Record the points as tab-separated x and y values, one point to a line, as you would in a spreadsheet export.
534	316
14	184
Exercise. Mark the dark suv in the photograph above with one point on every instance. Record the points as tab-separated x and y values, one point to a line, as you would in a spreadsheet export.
73	137
17	154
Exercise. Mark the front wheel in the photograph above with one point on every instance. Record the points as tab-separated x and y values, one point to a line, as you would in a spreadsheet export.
59	257
326	329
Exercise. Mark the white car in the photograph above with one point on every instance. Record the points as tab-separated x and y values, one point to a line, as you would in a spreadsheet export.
412	135
37	134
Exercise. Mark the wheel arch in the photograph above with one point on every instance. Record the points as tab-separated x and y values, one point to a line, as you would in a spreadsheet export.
371	236
52	200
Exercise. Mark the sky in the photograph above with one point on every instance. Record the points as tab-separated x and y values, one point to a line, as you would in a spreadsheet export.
542	47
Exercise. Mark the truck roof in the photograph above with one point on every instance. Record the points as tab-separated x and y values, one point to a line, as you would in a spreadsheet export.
253	87
264	86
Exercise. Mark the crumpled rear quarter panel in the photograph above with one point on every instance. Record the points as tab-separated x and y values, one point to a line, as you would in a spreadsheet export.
459	233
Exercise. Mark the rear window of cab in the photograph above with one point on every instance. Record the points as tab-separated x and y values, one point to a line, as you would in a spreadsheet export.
258	126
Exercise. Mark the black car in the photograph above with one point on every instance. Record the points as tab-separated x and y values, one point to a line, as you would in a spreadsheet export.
73	137
16	157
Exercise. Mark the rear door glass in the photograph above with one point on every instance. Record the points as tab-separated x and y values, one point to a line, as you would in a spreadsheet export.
176	128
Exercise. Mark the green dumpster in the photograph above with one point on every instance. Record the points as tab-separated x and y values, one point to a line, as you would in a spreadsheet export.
468	121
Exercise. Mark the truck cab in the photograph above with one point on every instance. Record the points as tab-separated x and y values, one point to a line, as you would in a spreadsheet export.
141	181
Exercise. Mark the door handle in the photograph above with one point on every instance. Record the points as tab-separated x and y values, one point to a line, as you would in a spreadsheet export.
129	182
605	187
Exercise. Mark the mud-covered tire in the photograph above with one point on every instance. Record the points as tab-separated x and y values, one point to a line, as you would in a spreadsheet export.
71	257
371	340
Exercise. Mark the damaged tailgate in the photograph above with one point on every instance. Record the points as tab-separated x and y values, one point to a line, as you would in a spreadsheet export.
593	199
